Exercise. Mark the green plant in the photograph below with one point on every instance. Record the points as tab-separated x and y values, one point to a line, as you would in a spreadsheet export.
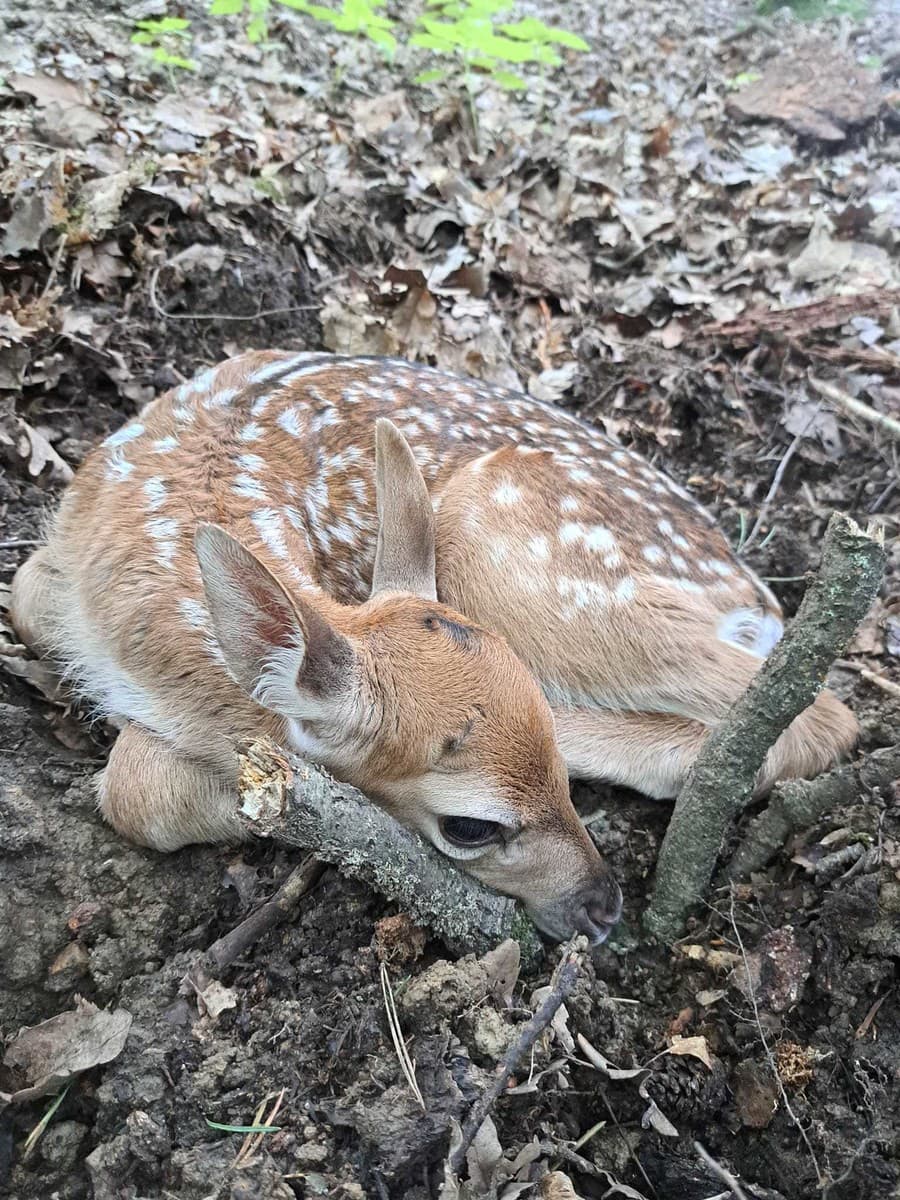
160	35
468	30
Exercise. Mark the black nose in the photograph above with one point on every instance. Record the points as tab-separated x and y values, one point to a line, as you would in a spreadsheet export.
600	911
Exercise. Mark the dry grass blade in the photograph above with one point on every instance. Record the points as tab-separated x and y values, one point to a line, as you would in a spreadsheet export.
37	1133
253	1141
407	1066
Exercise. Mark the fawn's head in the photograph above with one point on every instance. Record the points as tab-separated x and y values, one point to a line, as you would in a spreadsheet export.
430	715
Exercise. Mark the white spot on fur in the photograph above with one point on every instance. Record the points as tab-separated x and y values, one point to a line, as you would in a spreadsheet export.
251	432
508	494
612	560
220	399
568	504
579	475
678	562
164	445
653	554
118	467
163	531
540	548
598	537
290	422
625	590
631	494
124	435
582	593
270	527
721	568
751	630
155	491
665	528
254	463
252	489
681	542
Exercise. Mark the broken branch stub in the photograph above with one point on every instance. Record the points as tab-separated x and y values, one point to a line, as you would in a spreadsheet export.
293	802
723	777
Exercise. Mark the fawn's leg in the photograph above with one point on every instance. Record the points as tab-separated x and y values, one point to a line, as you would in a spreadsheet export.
36	599
152	795
653	752
650	752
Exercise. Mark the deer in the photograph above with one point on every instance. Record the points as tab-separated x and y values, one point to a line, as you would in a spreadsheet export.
448	594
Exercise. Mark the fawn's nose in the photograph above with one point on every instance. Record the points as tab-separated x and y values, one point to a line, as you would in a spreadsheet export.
599	912
593	909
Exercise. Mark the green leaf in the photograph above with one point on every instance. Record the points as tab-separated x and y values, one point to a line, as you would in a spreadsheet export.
164	24
243	1128
299	5
381	37
226	8
430	76
256	29
506	79
162	56
532	30
430	42
564	38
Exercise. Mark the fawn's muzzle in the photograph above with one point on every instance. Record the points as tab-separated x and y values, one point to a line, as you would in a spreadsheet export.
594	910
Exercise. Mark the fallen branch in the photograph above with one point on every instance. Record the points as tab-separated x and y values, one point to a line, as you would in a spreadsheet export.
799	803
561	985
856	407
283	904
724	775
294	803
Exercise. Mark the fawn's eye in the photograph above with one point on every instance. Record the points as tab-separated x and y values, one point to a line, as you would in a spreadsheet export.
469	831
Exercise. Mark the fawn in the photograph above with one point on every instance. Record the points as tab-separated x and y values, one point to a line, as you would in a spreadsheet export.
448	594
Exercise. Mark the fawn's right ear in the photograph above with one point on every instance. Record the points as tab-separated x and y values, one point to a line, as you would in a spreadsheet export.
404	557
285	655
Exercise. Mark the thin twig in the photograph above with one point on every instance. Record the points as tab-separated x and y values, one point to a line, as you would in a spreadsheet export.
851	405
770	1057
773	489
263	312
721	1172
17	543
561	985
232	945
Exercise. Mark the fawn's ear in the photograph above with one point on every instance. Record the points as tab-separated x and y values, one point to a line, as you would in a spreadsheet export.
404	558
277	649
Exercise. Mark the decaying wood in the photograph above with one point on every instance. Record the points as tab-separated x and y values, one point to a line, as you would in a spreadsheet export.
798	803
725	772
295	803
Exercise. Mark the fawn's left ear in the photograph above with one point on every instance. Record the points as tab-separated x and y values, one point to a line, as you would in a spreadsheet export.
404	558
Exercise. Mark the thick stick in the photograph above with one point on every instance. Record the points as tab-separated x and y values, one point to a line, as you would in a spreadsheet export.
564	978
726	769
799	803
295	803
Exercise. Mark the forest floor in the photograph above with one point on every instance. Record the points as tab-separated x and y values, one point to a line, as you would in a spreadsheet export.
679	235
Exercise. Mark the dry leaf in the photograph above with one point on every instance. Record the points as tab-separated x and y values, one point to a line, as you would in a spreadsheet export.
596	1059
215	998
48	1055
654	1117
695	1047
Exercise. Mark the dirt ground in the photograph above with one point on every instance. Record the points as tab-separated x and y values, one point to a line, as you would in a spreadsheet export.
614	241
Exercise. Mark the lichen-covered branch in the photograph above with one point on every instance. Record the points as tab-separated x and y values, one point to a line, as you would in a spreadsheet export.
295	803
798	803
726	769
